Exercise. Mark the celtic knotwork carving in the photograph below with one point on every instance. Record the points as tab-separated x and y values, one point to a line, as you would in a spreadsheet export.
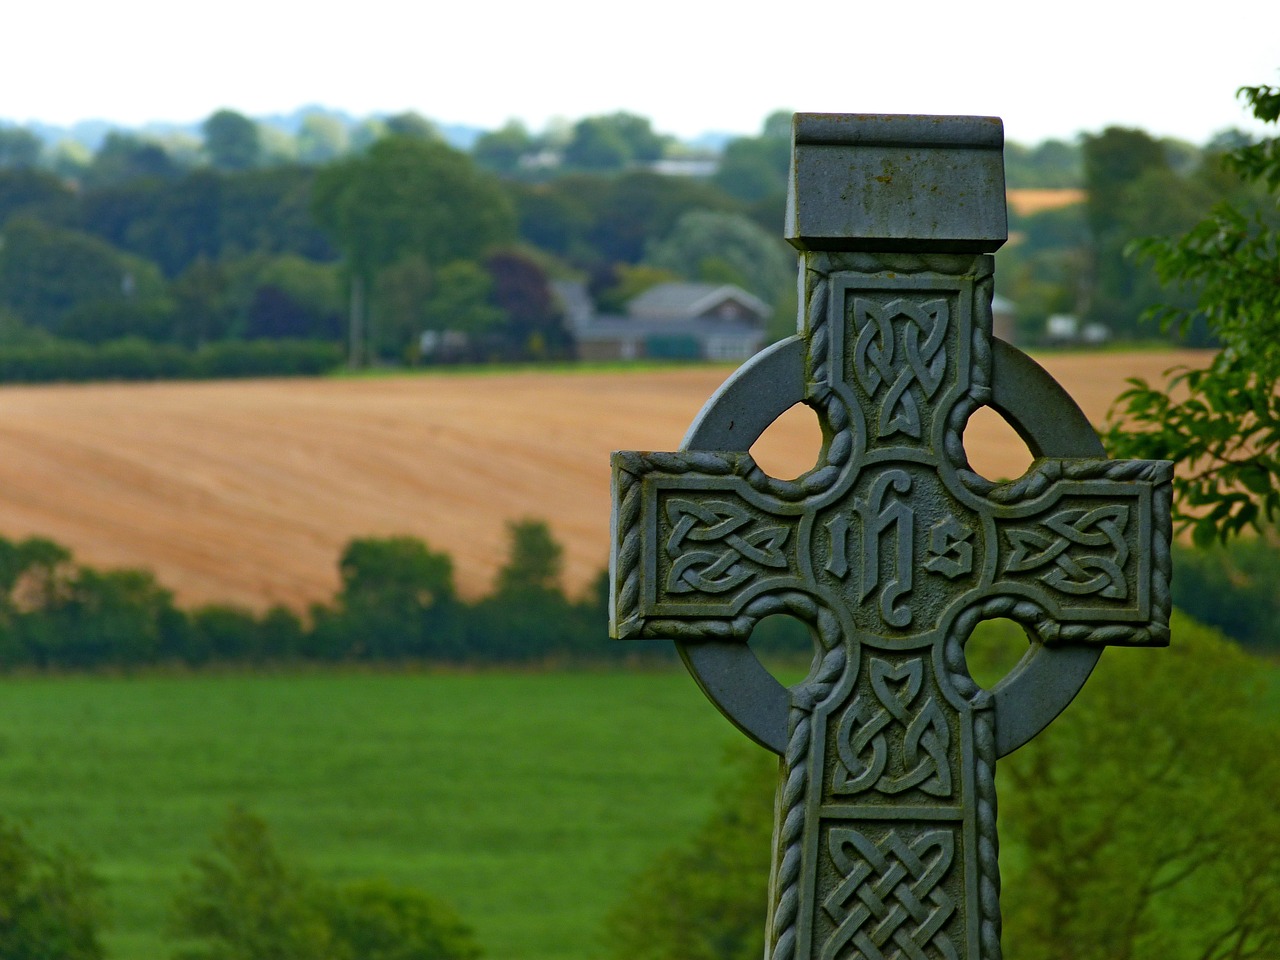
718	522
921	362
862	737
1080	575
891	904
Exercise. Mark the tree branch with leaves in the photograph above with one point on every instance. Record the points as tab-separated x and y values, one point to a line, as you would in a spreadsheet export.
1220	423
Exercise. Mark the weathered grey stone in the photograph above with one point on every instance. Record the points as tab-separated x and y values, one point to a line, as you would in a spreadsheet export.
897	183
891	548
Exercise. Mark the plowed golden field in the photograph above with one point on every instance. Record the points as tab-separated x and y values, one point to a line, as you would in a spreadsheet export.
246	491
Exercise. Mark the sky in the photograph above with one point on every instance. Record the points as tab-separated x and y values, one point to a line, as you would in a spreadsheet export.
1048	69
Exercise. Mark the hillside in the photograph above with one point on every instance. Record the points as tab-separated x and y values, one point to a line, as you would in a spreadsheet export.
247	491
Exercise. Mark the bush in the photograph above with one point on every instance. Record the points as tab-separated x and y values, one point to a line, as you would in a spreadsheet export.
136	359
49	902
246	903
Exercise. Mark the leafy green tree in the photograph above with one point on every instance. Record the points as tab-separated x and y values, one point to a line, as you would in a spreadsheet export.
632	209
373	920
1114	161
294	297
613	142
1050	164
527	617
1233	587
1186	732
50	902
1044	271
754	168
461	299
232	141
726	247
47	271
521	290
123	157
409	197
202	308
119	617
501	151
1220	423
35	193
322	138
399	306
20	149
412	125
397	600
596	146
245	902
222	632
706	898
536	560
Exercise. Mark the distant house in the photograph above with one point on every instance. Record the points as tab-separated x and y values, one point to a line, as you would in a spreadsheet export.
672	321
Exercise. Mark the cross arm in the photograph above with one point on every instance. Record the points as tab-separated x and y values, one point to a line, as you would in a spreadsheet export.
1089	542
698	536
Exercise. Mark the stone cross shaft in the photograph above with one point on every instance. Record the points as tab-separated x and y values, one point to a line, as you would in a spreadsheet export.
891	548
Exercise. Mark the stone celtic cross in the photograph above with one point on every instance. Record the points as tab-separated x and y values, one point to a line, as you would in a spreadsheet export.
891	548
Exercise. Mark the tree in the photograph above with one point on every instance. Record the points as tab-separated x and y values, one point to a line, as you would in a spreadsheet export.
461	301
322	138
412	125
47	271
707	898
50	906
613	142
1185	731
397	599
123	157
1220	423
1113	161
502	150
726	247
521	290
527	617
232	141
632	209
754	168
1141	825
535	561
20	149
409	197
399	304
245	902
35	193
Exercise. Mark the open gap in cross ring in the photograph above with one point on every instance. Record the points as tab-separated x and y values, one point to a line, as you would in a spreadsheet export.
994	648
791	445
785	646
994	449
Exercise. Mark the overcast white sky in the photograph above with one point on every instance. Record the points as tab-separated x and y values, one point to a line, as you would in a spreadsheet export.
1048	68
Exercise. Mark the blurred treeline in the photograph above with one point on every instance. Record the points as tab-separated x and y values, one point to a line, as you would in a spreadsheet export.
396	602
362	236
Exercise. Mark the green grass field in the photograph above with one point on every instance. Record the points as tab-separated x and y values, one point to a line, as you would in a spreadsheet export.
527	800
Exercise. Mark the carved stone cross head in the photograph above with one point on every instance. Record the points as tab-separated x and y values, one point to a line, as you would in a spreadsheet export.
891	548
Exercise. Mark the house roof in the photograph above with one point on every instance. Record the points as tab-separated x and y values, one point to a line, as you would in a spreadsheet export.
683	300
